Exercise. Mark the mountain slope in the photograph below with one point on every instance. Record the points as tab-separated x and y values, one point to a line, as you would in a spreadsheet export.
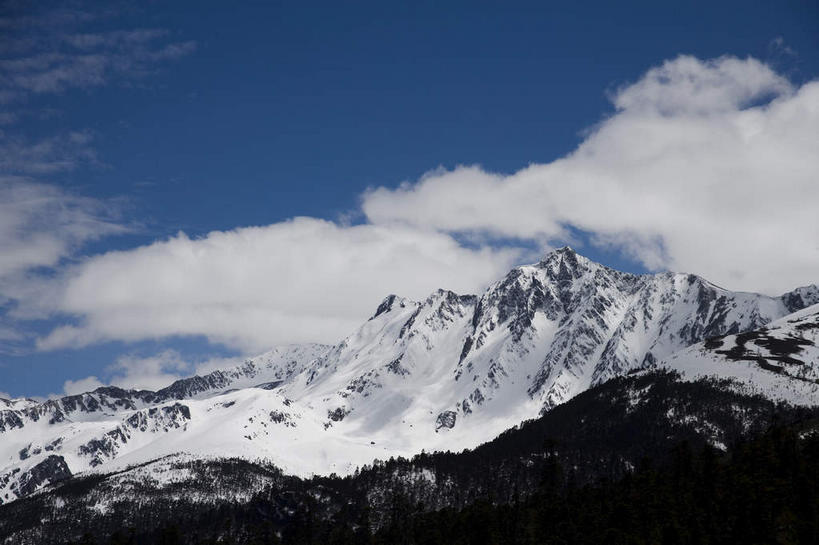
446	373
780	360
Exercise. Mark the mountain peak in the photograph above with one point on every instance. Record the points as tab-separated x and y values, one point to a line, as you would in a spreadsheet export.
564	258
388	303
564	252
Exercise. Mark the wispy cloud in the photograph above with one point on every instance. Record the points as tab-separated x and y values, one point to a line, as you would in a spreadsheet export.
778	47
105	62
45	52
115	38
49	53
22	16
58	153
40	226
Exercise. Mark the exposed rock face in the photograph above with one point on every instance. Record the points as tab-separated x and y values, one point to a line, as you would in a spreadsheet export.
801	298
51	470
445	420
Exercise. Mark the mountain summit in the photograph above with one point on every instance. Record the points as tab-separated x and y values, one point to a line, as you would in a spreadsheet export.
446	373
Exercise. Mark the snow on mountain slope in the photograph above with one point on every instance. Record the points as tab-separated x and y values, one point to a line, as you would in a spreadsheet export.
41	442
780	360
446	373
452	371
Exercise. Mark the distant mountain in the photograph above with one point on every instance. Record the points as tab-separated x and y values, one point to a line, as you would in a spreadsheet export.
447	373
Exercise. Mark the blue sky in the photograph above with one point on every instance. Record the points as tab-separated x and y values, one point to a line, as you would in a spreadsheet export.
144	121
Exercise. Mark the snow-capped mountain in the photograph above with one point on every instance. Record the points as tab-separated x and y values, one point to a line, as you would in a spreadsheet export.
449	372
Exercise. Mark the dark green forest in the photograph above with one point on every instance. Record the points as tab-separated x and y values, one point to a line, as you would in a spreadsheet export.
761	491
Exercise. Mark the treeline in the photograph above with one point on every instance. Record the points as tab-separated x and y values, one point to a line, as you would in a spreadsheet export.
761	491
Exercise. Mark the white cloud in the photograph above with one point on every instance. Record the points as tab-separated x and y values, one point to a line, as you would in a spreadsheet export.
80	386
148	373
687	85
154	372
706	166
251	288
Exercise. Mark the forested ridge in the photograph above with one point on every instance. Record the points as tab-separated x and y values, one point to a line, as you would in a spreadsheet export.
761	491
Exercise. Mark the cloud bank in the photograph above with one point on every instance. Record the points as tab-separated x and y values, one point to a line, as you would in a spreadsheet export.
705	166
708	167
300	280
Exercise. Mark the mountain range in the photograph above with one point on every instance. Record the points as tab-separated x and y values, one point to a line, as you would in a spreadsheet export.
447	373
